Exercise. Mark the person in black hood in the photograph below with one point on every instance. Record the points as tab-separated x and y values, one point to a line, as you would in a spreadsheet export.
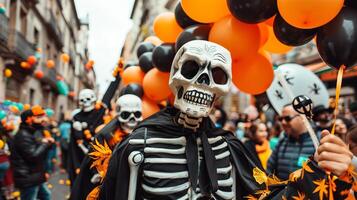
28	156
85	123
94	165
178	153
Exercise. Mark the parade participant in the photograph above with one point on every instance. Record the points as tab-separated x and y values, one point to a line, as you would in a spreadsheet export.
28	156
258	144
294	148
179	154
85	122
322	117
93	168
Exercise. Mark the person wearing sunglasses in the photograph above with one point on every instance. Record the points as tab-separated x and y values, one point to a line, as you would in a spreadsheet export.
92	171
294	148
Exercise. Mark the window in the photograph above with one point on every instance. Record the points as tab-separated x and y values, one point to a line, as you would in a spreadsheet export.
36	36
23	19
32	96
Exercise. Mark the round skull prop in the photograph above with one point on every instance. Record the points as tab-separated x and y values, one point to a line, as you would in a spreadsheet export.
87	99
129	111
200	74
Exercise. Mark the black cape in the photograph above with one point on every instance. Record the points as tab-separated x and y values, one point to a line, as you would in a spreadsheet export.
83	185
94	119
162	124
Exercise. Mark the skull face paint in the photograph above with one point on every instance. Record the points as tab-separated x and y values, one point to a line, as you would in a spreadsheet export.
87	99
129	111
200	74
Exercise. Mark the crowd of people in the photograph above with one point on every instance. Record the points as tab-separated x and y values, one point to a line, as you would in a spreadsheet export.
283	144
94	145
40	145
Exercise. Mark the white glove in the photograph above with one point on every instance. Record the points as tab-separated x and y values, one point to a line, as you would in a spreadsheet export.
83	148
77	126
95	178
84	125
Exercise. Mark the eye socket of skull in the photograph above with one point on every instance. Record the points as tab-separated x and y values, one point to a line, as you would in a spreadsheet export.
125	115
219	76
137	114
88	99
190	69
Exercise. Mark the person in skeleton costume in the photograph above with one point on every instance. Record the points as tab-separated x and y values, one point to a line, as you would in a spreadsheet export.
85	123
93	168
179	154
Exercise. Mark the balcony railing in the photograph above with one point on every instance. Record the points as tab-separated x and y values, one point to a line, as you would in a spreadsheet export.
50	76
20	45
4	33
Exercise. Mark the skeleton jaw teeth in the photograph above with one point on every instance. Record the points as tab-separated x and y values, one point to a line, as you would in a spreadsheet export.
198	98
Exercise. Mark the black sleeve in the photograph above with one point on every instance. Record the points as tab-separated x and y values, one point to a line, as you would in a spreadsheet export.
304	182
109	94
29	149
116	182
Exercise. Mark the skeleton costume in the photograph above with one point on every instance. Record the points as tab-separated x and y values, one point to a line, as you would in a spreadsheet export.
84	124
179	154
93	166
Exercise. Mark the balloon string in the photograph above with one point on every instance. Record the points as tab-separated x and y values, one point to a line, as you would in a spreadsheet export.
337	98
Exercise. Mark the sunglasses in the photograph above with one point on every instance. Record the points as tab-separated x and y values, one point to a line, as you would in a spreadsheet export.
287	118
126	115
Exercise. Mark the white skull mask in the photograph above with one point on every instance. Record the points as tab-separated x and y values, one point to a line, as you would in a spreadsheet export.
87	99
201	73
129	111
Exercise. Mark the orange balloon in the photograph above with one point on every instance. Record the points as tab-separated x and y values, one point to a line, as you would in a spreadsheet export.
166	27
27	106
270	21
205	11
308	14
65	58
8	73
50	64
241	39
264	33
133	74
149	107
266	55
39	74
31	60
273	45
154	40
25	65
253	75
156	85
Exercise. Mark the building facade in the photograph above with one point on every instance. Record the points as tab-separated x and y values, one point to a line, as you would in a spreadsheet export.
47	29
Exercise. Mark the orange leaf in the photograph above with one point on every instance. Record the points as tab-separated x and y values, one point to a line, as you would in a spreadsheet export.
301	196
321	188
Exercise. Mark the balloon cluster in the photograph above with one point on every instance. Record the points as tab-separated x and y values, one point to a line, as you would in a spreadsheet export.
251	28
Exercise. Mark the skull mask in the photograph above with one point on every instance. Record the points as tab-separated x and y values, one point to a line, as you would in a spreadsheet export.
129	111
200	74
87	99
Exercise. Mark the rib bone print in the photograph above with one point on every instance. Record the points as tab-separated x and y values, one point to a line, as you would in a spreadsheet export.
165	172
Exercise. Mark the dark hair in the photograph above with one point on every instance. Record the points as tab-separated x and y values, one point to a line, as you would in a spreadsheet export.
254	128
346	121
352	134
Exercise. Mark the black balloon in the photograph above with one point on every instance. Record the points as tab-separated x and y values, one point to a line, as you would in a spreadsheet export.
252	11
144	47
163	55
198	32
291	35
130	64
134	89
182	18
145	61
337	40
